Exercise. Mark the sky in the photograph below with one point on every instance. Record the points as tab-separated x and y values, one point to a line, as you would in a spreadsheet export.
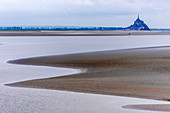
116	13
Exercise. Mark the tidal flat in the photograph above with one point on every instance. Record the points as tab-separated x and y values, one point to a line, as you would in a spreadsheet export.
22	99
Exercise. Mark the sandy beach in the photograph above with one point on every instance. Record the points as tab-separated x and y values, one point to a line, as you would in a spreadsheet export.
81	33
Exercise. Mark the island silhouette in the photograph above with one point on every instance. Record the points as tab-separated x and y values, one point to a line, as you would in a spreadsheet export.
138	25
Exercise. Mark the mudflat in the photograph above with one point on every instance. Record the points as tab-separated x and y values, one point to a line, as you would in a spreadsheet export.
81	33
141	72
153	107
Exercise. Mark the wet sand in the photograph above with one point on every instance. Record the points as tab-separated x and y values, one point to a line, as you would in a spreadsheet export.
153	107
81	33
142	72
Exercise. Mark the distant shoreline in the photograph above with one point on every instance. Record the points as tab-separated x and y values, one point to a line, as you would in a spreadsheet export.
81	33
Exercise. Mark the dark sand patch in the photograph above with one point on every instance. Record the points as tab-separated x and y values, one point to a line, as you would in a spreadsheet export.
153	107
143	73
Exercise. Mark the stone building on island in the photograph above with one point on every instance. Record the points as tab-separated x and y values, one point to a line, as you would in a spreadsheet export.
138	25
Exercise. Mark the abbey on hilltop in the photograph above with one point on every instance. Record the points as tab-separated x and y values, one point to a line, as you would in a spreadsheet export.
138	25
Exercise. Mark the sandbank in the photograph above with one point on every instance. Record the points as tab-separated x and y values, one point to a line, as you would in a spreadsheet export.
81	33
142	72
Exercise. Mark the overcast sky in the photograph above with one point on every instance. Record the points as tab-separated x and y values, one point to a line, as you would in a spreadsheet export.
156	13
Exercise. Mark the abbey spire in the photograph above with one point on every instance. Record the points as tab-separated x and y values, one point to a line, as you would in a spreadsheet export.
138	17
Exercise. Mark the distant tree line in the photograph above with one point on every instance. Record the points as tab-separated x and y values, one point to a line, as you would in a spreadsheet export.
61	28
56	28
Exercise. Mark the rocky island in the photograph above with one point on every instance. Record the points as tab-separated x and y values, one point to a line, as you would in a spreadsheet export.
138	25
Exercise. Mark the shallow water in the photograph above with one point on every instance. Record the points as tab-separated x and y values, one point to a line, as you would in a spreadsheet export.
26	100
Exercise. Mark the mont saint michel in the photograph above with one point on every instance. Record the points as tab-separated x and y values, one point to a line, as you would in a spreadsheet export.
138	25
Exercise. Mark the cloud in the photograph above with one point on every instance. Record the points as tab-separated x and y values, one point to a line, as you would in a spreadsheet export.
75	5
33	10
